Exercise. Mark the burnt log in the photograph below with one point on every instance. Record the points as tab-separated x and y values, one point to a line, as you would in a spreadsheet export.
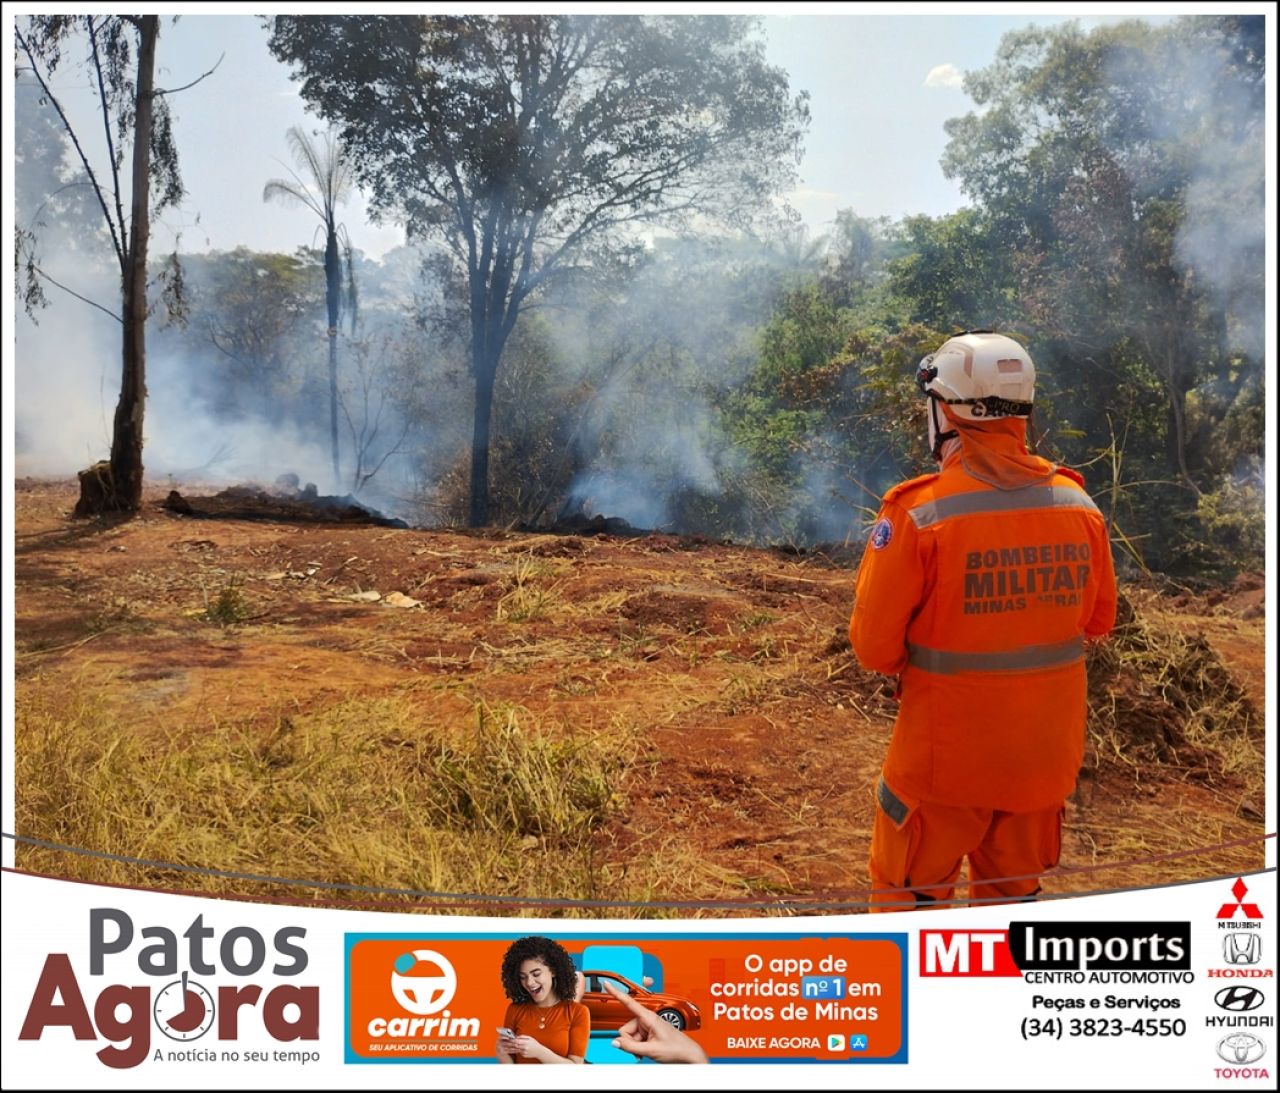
98	493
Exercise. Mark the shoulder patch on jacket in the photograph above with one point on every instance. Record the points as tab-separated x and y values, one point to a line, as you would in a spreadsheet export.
902	487
881	534
1075	476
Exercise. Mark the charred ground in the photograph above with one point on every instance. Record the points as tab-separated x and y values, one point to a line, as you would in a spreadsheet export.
567	717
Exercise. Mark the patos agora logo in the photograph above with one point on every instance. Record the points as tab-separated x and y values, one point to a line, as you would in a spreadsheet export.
153	978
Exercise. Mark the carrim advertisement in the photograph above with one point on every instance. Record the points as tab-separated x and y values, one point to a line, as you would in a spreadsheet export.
114	988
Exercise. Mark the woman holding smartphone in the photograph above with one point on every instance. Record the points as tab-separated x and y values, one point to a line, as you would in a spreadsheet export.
544	1023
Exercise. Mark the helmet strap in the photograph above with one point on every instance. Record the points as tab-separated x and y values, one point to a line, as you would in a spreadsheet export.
938	437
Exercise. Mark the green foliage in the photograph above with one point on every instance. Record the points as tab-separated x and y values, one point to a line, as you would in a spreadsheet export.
251	313
956	272
1116	173
229	606
1234	514
829	417
519	141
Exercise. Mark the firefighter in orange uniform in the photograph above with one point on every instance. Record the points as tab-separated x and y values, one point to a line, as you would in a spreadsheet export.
979	587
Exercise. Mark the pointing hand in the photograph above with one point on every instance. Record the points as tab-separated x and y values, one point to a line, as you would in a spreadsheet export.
650	1037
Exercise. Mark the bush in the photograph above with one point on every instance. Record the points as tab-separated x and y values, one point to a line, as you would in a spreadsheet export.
1235	517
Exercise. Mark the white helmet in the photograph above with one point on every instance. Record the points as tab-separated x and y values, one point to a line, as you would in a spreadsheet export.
980	375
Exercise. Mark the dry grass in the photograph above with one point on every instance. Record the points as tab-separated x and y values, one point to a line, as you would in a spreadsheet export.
532	592
1160	699
367	793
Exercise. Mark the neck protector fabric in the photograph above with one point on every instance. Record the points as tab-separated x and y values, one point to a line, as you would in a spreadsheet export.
995	452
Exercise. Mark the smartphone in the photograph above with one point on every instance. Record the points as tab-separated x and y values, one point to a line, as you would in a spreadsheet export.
507	1033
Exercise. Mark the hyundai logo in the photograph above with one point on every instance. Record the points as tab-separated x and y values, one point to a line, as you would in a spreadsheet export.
1240	1048
1239	999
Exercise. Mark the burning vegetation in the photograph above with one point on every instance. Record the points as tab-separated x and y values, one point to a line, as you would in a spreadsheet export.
529	717
623	702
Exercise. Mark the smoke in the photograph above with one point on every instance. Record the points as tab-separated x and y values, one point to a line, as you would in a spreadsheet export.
671	452
657	352
1207	105
206	423
68	380
67	376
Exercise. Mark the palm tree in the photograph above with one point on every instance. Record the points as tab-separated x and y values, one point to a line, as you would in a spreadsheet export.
330	172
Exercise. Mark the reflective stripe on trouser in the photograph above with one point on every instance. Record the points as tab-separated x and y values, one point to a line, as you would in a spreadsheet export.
924	852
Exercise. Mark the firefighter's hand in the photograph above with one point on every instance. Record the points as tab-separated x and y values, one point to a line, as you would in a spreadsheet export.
650	1037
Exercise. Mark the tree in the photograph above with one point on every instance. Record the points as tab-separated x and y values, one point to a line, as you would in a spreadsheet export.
133	109
956	274
329	169
530	142
1122	171
257	311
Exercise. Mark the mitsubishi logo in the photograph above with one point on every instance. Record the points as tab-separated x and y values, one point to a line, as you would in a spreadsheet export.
1239	890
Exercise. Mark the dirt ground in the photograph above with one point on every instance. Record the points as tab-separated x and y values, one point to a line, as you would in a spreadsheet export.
765	737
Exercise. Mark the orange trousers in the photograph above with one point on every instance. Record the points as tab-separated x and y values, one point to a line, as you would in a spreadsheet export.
920	847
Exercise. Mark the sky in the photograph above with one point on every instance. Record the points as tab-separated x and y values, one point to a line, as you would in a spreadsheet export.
881	87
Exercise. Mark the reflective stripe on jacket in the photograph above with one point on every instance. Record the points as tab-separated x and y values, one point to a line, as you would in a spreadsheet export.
980	600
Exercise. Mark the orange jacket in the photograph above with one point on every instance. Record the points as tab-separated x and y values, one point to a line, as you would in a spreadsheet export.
979	600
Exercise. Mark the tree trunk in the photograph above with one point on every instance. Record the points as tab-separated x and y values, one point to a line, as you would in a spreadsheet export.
1176	435
486	372
120	489
333	290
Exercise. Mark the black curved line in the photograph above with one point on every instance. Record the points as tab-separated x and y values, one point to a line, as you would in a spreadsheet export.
545	901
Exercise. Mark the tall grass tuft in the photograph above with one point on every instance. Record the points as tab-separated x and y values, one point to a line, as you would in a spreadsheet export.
1161	699
366	792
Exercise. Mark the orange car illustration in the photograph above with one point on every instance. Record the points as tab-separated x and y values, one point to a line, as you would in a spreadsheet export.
608	1013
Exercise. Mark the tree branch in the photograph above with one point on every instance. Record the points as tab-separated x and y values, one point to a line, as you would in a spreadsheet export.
185	86
84	160
73	292
106	125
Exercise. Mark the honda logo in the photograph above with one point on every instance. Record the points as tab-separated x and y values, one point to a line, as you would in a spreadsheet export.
1241	948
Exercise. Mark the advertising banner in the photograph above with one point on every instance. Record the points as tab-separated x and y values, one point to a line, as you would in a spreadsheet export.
113	988
740	997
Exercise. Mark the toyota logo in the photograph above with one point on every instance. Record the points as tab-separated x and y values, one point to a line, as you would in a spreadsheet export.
1239	999
1240	1048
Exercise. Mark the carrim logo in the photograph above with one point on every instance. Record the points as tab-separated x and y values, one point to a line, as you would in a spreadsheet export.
423	994
1241	1048
1239	999
423	982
